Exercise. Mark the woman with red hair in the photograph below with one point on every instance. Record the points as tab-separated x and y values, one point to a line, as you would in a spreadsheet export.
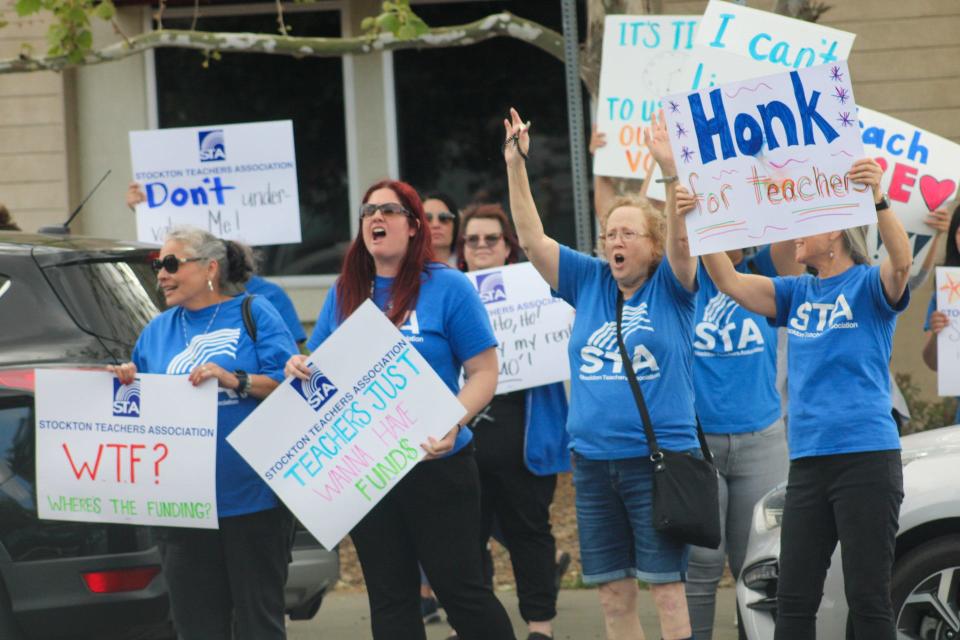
432	516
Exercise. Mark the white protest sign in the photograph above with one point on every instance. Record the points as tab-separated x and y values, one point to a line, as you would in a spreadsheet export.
238	181
768	158
532	327
948	340
143	453
332	447
643	57
921	169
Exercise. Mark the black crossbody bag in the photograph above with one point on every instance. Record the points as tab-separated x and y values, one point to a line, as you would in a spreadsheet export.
686	499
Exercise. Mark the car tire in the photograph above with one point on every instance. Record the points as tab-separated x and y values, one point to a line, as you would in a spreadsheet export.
919	576
308	609
9	629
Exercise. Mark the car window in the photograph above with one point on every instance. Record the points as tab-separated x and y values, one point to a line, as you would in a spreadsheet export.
113	299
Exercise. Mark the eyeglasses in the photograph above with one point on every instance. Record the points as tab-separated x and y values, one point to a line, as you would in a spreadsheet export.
473	240
171	263
444	216
388	208
628	235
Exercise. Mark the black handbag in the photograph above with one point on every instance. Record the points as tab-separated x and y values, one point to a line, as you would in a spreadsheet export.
686	495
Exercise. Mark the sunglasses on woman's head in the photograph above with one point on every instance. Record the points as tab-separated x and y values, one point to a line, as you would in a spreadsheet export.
473	241
388	209
171	263
444	216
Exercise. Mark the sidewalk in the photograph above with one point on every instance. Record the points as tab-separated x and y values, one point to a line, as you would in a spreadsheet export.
346	616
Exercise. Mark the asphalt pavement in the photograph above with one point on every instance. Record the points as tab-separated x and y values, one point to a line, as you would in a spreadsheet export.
346	616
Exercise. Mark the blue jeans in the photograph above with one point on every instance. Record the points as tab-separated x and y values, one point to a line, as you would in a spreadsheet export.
614	515
750	464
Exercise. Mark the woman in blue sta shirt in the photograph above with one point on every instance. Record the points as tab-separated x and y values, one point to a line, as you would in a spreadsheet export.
432	515
227	583
937	321
649	264
845	481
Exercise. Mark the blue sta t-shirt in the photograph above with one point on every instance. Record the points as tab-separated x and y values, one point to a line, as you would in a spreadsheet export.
734	358
840	335
280	301
926	327
162	348
604	422
448	326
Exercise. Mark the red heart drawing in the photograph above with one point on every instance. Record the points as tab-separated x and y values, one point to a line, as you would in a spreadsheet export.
935	192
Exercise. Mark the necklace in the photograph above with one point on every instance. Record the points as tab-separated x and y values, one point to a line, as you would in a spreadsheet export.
183	322
387	307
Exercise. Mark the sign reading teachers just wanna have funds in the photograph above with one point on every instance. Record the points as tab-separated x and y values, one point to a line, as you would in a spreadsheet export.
333	446
141	453
237	181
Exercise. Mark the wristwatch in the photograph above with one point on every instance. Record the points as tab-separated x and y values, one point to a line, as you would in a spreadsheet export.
243	383
884	203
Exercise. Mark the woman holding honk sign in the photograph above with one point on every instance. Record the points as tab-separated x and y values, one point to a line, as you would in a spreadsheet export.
226	583
432	515
845	481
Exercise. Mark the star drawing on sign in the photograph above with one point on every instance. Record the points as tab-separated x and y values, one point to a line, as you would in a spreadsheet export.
674	107
845	119
687	154
680	130
952	288
835	74
842	95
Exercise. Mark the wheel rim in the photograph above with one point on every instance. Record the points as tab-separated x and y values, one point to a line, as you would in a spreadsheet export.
932	611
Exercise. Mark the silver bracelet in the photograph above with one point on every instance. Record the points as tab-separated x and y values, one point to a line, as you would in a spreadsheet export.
667	179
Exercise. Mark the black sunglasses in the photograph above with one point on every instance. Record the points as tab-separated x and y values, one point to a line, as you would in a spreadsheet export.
171	263
388	209
443	216
490	239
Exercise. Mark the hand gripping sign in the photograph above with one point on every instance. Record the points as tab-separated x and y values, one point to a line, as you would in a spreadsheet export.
141	453
333	446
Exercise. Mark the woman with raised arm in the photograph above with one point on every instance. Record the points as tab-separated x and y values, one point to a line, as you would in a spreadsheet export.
432	515
845	481
226	583
649	264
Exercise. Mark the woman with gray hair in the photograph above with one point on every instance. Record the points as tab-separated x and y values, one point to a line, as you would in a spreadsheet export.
226	583
845	481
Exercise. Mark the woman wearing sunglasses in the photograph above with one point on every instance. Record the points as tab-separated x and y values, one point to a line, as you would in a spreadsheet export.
444	222
521	442
227	583
432	515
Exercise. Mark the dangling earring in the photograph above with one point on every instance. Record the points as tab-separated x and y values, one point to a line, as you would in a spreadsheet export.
831	254
210	282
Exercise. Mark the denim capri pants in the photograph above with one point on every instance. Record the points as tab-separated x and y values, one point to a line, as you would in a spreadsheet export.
614	500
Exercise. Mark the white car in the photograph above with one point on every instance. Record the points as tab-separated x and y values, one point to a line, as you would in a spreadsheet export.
926	572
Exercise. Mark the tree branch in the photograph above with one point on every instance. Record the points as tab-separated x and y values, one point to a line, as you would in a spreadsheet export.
497	25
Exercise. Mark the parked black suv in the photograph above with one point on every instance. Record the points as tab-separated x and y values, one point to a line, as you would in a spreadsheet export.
81	302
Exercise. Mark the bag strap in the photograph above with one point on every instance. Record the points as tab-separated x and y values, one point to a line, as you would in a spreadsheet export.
248	321
655	453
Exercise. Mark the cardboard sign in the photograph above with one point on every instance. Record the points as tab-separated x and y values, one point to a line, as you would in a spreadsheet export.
237	181
768	158
143	453
643	57
333	446
532	327
948	340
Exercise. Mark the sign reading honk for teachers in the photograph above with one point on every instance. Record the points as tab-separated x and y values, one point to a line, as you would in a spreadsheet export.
333	446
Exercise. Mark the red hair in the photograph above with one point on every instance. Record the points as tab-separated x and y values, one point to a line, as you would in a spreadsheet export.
489	212
358	272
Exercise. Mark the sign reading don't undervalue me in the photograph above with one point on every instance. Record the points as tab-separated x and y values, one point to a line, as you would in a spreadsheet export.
332	447
142	453
237	181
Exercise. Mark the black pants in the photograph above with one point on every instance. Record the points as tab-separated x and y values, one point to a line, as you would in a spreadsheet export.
431	516
228	583
854	498
520	503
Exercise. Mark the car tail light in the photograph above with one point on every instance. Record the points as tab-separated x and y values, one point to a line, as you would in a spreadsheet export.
18	379
120	580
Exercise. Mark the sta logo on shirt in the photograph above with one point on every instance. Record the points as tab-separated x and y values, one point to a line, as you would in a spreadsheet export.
601	354
718	326
411	327
811	318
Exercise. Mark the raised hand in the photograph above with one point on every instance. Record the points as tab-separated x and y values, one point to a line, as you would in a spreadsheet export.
938	220
597	140
686	202
516	143
658	141
867	171
938	321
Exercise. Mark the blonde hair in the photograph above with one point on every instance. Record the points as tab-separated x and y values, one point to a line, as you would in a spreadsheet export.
855	243
656	225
